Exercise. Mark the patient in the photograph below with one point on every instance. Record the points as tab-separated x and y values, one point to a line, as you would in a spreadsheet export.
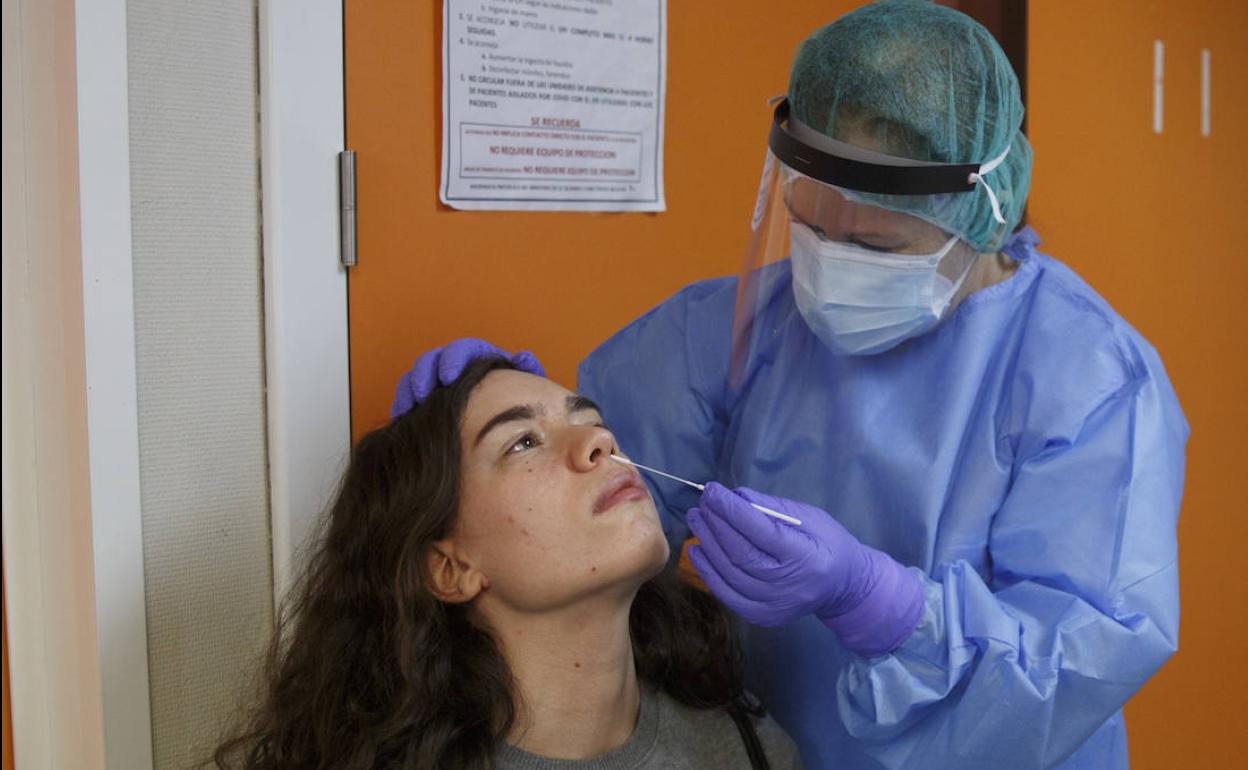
491	590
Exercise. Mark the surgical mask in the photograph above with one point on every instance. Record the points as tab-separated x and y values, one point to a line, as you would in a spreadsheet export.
859	301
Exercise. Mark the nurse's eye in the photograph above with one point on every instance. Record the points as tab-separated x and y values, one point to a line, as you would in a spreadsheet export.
524	443
816	229
874	245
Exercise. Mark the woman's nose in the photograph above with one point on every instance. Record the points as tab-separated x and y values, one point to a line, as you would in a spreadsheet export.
594	445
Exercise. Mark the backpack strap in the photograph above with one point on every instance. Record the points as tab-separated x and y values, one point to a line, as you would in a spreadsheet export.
753	746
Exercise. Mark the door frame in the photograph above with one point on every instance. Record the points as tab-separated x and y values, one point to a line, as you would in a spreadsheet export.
302	130
112	380
73	542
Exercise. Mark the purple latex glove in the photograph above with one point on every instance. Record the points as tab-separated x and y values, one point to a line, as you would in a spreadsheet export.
771	573
442	366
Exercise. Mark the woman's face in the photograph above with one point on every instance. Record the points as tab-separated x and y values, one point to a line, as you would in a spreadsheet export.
544	513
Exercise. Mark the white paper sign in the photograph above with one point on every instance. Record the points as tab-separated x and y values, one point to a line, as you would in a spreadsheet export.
553	105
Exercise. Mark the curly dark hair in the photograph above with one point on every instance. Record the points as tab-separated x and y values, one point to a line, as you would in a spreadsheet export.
367	670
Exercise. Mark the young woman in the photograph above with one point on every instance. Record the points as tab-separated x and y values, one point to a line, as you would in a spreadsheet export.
490	591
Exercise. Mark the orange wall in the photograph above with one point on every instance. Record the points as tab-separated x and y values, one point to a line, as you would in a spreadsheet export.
1147	219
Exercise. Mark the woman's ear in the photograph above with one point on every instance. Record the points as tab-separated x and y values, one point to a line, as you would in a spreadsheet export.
452	578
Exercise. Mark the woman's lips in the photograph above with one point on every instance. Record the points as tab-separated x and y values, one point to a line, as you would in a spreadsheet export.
622	486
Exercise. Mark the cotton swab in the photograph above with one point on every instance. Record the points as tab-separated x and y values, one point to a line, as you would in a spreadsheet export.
618	458
701	487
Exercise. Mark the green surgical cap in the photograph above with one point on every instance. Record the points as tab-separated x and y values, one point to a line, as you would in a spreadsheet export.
918	80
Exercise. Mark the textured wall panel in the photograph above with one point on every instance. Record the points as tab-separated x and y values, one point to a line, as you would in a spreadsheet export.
199	333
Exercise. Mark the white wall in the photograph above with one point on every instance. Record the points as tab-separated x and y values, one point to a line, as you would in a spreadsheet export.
198	299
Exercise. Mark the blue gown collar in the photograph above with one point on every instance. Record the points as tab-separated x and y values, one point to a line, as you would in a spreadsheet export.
1022	244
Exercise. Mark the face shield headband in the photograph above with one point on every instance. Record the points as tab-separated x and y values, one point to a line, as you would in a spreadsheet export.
843	165
796	151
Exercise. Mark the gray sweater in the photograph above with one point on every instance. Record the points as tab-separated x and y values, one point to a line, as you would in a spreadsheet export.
672	735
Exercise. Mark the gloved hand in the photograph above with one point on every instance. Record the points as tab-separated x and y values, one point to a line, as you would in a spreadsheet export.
771	573
442	366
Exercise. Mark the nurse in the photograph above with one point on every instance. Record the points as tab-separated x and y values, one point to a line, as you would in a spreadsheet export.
986	458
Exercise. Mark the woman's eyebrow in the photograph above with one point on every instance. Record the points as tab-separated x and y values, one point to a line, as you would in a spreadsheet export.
521	412
528	412
578	403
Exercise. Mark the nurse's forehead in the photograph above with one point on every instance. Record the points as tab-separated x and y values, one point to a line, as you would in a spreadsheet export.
807	193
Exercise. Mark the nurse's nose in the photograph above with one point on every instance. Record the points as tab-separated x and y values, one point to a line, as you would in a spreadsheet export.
593	445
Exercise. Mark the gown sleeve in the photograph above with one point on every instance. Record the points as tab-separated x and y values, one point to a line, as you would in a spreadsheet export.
658	382
1018	667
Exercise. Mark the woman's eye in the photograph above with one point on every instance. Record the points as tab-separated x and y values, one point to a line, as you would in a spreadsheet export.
527	441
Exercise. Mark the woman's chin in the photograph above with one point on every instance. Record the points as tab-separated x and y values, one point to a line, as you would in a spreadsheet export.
655	552
638	558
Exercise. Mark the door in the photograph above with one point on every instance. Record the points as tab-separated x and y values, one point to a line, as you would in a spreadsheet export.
555	283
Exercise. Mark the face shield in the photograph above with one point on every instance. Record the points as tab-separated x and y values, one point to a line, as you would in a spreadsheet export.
863	273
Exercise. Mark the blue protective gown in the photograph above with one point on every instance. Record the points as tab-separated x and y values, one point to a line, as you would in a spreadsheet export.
1025	458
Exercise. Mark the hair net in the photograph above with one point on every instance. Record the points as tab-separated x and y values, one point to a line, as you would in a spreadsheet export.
918	80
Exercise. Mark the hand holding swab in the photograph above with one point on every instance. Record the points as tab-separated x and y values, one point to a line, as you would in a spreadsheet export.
701	487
